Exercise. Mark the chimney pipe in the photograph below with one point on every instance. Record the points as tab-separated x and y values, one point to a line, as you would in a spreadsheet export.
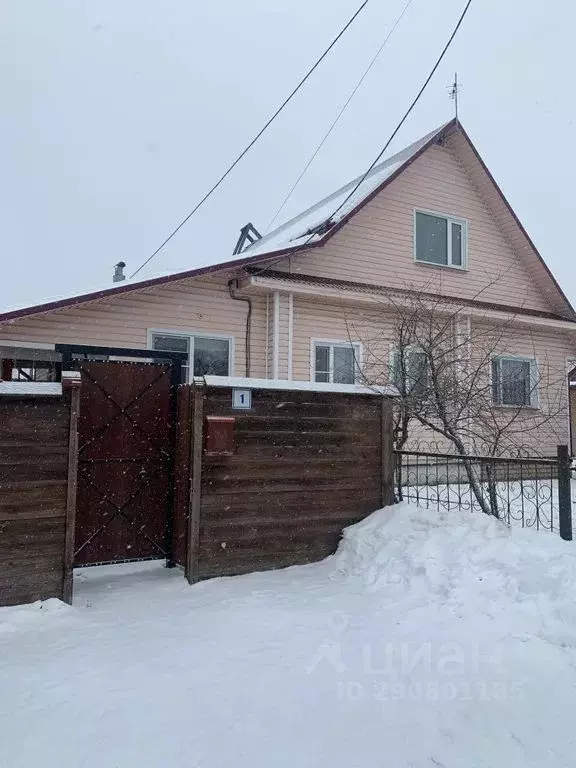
119	272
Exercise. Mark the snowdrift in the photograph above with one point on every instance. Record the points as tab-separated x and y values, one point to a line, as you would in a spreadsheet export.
456	554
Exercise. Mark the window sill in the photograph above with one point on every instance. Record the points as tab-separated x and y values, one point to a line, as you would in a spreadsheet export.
516	407
441	266
336	384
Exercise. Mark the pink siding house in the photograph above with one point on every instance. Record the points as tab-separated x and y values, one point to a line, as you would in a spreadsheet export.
308	301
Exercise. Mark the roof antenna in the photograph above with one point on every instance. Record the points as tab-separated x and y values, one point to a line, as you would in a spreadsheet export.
453	91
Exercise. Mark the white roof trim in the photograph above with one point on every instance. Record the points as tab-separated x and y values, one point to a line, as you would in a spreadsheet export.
298	386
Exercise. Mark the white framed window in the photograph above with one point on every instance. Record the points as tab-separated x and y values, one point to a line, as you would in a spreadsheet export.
515	381
409	372
440	240
207	354
335	362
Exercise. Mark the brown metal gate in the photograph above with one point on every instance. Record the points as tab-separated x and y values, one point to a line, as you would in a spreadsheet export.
125	462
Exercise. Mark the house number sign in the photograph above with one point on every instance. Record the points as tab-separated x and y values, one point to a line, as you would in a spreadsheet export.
242	398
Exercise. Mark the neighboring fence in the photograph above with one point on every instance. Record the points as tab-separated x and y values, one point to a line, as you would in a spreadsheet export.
37	491
529	492
274	484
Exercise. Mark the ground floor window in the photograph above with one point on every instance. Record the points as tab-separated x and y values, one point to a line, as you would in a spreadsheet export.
209	355
335	362
410	372
514	381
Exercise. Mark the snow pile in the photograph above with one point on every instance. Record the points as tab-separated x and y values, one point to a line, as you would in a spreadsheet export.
428	639
405	548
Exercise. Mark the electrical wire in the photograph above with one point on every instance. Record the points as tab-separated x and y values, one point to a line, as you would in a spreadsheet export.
255	139
385	147
339	115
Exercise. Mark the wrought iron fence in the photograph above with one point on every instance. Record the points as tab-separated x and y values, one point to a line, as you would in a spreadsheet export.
529	492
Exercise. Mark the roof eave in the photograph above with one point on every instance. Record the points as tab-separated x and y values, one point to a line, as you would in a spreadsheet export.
74	301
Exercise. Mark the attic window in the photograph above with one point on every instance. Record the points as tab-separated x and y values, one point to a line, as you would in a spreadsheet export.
440	240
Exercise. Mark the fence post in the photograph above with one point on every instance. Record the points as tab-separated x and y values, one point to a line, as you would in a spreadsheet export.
193	538
564	493
387	447
71	386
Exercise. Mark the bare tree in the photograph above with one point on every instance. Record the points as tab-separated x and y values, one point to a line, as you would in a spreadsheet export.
458	380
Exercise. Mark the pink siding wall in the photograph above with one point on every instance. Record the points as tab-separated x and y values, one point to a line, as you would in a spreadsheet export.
485	188
376	246
549	426
374	329
123	321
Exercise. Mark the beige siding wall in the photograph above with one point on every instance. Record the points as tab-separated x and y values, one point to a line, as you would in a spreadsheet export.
342	322
541	430
202	305
284	322
377	245
374	329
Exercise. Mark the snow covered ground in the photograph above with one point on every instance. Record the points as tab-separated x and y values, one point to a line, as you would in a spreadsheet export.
430	639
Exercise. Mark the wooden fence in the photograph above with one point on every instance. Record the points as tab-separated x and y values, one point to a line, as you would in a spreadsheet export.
254	488
274	485
37	493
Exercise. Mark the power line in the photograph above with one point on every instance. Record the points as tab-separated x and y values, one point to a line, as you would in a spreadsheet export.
407	113
339	115
400	124
255	139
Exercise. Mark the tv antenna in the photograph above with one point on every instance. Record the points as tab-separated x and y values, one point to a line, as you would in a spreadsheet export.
453	91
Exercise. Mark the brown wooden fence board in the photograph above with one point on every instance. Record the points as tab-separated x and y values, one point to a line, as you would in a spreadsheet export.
305	465
33	488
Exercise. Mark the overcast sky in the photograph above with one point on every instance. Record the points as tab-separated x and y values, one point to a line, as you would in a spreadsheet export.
117	115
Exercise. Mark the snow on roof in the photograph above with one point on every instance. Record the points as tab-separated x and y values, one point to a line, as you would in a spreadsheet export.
335	207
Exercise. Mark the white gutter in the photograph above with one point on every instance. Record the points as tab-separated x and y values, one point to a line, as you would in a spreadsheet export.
377	298
276	337
290	332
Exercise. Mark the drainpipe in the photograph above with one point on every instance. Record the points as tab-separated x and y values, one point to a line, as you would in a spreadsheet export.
232	288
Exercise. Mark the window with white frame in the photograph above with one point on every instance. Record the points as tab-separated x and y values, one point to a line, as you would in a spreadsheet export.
440	239
410	371
336	362
211	355
514	381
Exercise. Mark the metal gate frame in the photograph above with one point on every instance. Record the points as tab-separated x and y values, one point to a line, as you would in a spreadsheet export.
77	352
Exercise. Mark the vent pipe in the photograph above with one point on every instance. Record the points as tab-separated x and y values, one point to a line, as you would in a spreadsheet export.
119	272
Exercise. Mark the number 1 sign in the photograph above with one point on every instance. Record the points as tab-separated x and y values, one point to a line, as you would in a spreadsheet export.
242	398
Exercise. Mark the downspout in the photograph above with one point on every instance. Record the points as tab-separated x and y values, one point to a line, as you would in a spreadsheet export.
232	287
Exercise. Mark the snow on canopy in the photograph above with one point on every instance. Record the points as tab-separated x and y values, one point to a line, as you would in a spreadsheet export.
301	229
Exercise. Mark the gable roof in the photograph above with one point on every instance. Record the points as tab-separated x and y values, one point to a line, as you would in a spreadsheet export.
327	216
338	205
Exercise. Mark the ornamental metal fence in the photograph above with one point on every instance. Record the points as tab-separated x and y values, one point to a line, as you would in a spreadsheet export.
530	492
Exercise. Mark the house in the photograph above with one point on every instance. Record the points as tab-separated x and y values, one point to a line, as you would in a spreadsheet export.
313	299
